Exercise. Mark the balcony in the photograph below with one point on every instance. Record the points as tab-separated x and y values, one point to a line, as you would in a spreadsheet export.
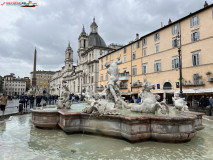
124	76
123	86
136	85
189	83
210	79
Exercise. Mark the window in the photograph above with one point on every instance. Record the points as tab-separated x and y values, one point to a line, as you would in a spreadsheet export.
124	58
144	68
194	21
124	69
106	58
195	36
117	54
112	56
107	76
196	59
175	29
156	48
124	50
157	36
133	56
102	77
157	66
102	66
175	43
134	71
144	52
196	78
144	42
133	46
138	44
175	62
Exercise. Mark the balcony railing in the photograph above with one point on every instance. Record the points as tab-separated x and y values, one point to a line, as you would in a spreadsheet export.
124	76
136	85
123	86
210	79
200	83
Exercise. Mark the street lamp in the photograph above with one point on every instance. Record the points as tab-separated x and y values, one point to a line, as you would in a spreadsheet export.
180	64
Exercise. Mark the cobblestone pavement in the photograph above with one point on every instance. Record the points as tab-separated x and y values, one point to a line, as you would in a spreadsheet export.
12	107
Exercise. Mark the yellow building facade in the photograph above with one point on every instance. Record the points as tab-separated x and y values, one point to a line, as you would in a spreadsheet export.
155	57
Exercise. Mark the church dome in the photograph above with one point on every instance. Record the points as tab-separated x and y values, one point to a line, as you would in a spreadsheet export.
96	40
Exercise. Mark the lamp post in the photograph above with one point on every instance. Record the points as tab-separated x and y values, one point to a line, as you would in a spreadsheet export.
180	64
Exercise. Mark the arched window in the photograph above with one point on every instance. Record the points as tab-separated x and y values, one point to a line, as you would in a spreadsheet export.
167	86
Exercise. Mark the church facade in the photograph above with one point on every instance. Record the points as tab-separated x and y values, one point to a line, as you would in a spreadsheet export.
85	74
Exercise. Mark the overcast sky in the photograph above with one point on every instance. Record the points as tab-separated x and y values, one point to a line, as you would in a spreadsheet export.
53	23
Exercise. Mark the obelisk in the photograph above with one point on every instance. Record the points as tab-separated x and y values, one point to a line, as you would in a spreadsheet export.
34	70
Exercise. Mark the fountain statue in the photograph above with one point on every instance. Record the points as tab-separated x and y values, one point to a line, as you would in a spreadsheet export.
63	101
179	103
114	117
113	102
149	102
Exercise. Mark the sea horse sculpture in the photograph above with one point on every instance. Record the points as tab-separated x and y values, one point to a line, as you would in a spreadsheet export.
149	103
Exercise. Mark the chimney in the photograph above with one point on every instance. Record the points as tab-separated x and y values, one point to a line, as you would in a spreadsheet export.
137	36
170	21
161	24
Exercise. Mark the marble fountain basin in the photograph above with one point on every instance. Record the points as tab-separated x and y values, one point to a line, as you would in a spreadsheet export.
132	127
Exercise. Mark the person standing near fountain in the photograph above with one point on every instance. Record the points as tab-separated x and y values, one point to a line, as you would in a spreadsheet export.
3	102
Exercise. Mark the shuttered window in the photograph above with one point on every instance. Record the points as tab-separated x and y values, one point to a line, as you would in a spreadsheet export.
144	68
144	52
175	62
157	66
134	71
194	21
196	59
144	42
175	29
195	36
133	56
175	43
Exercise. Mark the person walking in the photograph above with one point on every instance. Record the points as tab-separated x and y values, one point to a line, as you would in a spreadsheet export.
202	99
3	102
38	101
22	100
206	102
32	99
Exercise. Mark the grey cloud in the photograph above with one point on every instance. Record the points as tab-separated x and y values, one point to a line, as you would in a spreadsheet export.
51	24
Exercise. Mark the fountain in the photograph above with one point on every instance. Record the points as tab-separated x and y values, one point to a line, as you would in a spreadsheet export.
150	120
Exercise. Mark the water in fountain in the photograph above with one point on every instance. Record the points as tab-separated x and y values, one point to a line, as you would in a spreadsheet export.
19	140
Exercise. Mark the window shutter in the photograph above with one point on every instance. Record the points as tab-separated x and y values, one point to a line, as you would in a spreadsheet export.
159	66
198	59
192	39
155	68
173	45
173	64
177	28
198	35
178	41
191	22
193	63
197	20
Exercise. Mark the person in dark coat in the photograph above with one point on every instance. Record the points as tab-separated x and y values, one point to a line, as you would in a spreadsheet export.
38	101
32	98
206	102
202	99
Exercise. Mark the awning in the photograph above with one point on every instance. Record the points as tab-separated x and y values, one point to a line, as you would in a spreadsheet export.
209	90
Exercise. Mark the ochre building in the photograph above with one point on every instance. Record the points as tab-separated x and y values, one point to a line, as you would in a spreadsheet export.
155	57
